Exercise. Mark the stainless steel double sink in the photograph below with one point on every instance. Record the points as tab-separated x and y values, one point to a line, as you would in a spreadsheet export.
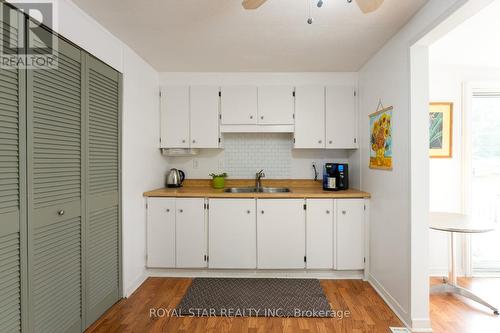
257	190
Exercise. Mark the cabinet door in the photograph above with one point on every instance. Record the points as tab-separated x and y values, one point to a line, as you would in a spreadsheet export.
175	117
276	105
12	193
280	234
190	233
319	231
341	124
102	255
350	234
239	105
310	117
204	117
55	154
232	234
161	233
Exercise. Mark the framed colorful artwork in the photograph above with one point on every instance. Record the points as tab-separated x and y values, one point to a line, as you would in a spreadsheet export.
440	130
381	139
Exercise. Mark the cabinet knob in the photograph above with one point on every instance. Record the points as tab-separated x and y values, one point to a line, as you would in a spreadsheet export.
328	212
183	141
330	142
181	211
168	210
262	212
251	117
344	212
261	117
60	213
194	141
320	141
248	211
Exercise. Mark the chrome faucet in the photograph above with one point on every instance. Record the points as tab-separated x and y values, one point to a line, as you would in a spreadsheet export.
258	179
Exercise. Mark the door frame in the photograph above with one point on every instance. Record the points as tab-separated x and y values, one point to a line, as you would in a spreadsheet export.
467	95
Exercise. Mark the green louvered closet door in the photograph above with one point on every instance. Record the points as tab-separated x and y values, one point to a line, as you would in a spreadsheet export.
12	206
55	160
102	255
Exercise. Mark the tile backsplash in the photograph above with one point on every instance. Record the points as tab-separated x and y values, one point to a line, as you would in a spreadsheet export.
247	153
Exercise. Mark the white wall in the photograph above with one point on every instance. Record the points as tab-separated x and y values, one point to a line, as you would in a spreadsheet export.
143	167
398	262
300	160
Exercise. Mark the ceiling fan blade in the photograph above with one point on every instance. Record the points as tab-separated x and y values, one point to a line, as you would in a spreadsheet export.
252	4
368	6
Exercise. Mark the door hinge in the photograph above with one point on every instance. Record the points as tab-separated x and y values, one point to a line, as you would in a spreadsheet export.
293	94
364	207
147	205
355	140
294	116
220	94
305	206
220	116
293	140
219	140
207	206
364	260
205	258
305	259
160	93
355	93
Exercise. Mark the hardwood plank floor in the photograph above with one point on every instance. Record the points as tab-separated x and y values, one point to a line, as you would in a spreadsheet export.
456	314
368	312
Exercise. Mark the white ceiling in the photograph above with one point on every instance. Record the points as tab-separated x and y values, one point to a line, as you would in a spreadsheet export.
473	43
220	36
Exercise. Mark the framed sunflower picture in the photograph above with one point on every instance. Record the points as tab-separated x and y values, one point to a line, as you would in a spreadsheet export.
440	130
381	139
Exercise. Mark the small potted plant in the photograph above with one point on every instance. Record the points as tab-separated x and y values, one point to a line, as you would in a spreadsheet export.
218	180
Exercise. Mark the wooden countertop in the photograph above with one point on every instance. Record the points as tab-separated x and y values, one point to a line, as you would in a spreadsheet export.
298	189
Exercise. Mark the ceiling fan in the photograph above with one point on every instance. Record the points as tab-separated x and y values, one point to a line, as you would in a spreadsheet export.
366	6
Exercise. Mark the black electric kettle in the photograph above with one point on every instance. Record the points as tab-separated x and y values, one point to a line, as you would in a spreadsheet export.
175	178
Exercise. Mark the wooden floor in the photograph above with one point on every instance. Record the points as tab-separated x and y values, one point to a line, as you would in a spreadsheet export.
369	313
456	314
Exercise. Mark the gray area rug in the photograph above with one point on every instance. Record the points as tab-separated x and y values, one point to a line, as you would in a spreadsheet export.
240	297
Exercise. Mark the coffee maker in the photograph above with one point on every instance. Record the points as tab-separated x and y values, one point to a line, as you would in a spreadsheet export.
335	177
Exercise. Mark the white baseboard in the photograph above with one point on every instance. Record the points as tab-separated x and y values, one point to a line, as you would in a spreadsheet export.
136	284
389	300
417	325
309	274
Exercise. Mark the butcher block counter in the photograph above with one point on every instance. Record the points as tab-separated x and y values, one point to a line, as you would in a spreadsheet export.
193	188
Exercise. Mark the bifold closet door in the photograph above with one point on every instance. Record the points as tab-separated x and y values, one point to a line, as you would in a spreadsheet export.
55	158
12	206
102	256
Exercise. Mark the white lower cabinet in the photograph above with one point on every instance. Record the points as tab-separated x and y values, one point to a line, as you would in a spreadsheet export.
319	233
161	233
232	234
250	233
349	231
280	234
190	231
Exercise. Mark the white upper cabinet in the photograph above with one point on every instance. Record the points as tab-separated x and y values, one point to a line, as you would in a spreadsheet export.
175	117
349	234
190	231
310	117
276	105
281	234
239	105
204	127
319	233
341	117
